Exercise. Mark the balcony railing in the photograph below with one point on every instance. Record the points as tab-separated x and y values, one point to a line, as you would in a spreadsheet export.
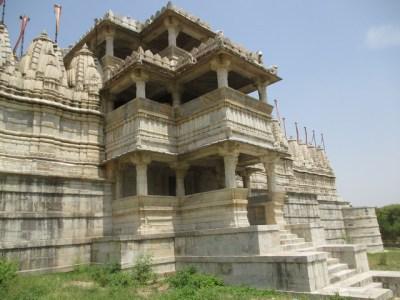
223	114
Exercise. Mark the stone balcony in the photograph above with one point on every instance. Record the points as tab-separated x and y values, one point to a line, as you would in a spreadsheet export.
220	115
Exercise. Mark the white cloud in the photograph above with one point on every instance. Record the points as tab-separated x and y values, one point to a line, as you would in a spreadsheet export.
383	36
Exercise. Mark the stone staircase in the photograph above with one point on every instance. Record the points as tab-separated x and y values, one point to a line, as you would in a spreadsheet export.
344	281
291	242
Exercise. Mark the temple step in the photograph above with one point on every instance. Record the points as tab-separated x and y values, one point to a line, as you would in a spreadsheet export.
291	241
332	269
341	275
332	261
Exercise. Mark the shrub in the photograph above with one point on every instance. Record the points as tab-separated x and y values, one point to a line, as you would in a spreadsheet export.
190	278
8	271
142	271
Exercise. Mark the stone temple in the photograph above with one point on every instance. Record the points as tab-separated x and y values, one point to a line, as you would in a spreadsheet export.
142	139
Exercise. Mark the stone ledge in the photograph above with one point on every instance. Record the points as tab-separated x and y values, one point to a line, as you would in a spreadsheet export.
289	257
47	243
223	231
343	248
51	215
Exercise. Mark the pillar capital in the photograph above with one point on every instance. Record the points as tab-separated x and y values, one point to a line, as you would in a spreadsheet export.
140	158
179	166
171	22
229	149
139	75
221	62
268	159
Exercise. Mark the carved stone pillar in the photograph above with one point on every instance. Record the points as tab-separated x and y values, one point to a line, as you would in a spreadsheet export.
180	172
141	161
141	179
180	181
277	194
173	30
221	66
140	89
230	162
118	183
262	91
176	92
140	79
109	44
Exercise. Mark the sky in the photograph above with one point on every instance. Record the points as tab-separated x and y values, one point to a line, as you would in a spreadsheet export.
339	60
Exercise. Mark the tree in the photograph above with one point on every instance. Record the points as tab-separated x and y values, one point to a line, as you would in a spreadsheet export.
389	222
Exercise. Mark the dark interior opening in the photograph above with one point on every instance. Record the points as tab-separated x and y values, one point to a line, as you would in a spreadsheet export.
199	86
187	42
159	43
125	96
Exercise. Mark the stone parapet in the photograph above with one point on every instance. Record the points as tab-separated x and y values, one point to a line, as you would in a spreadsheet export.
143	124
214	209
252	240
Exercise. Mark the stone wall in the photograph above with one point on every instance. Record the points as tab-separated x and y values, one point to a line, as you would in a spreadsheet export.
49	222
362	227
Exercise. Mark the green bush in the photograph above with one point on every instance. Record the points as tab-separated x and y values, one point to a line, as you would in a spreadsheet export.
190	278
389	222
142	271
8	272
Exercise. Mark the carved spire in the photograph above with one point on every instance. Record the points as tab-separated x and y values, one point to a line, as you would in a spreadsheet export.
42	61
7	60
83	74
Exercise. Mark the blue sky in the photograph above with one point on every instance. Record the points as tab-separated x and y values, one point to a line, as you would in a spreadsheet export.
339	60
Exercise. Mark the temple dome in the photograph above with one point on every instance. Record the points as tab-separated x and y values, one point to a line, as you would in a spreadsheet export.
83	73
42	60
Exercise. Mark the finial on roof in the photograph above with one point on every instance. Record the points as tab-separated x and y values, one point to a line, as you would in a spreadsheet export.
170	5
109	13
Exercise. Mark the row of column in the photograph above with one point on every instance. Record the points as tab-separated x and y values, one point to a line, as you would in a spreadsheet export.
176	90
141	163
171	24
